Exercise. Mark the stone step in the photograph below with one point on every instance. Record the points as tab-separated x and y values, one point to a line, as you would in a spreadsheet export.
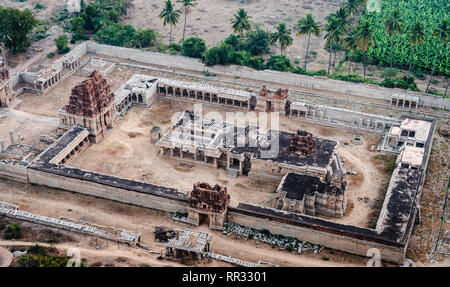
233	173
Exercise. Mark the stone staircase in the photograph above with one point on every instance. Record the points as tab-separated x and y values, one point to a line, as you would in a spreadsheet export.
232	173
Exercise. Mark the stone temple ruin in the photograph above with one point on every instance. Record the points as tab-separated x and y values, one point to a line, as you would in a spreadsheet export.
91	105
211	202
307	168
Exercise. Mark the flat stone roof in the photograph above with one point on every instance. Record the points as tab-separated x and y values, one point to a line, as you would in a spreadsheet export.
297	185
421	127
413	155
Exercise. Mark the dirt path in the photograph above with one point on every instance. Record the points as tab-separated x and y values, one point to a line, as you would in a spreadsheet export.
6	257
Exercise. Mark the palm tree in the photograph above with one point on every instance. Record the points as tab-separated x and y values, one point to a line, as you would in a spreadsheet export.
332	36
341	15
308	26
187	4
353	7
282	36
441	32
393	24
170	16
241	22
350	44
364	38
416	37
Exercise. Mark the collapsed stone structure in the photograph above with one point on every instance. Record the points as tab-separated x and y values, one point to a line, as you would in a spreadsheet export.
91	105
189	243
309	195
211	202
4	72
301	143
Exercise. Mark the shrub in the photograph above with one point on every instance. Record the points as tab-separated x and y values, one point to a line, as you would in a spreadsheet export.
193	47
175	47
257	42
51	55
217	55
232	40
278	63
2	225
145	37
39	6
256	62
61	43
13	231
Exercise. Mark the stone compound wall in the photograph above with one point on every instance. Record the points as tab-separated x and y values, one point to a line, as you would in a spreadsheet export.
14	172
319	83
328	239
107	192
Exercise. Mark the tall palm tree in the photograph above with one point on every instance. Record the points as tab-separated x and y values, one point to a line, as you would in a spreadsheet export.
393	24
308	26
353	7
282	35
364	38
188	5
332	36
350	45
170	16
441	32
341	15
416	37
241	22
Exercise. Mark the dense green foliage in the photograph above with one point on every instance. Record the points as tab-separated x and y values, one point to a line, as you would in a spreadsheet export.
431	13
61	43
13	231
193	47
15	28
38	256
116	34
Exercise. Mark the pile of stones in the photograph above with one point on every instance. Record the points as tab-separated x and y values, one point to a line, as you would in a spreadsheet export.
285	243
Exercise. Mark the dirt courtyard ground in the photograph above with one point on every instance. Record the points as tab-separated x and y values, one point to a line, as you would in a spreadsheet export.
127	152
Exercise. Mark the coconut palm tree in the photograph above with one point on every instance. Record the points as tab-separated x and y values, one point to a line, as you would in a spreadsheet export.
308	26
416	37
364	37
350	45
353	7
170	16
341	15
241	22
442	32
282	35
333	35
188	5
393	24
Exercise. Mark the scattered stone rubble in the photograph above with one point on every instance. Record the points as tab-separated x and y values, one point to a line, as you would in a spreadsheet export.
285	243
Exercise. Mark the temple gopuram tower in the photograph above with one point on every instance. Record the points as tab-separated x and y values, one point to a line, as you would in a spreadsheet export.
91	105
210	203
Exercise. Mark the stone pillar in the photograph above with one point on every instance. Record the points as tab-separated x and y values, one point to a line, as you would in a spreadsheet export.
11	137
240	167
19	138
2	146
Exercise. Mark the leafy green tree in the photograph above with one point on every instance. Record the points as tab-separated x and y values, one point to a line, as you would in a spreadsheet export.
91	17
116	34
219	55
232	40
188	5
145	37
393	24
170	16
241	22
15	28
308	26
257	42
441	32
13	231
76	24
193	47
61	43
333	35
416	37
282	36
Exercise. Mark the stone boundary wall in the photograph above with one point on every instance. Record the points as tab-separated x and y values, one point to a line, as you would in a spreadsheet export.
107	192
14	172
319	83
328	239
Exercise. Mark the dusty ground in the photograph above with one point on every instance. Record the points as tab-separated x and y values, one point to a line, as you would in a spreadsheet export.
56	203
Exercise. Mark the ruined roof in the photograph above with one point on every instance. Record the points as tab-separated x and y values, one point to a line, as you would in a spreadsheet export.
191	241
412	155
297	185
421	128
